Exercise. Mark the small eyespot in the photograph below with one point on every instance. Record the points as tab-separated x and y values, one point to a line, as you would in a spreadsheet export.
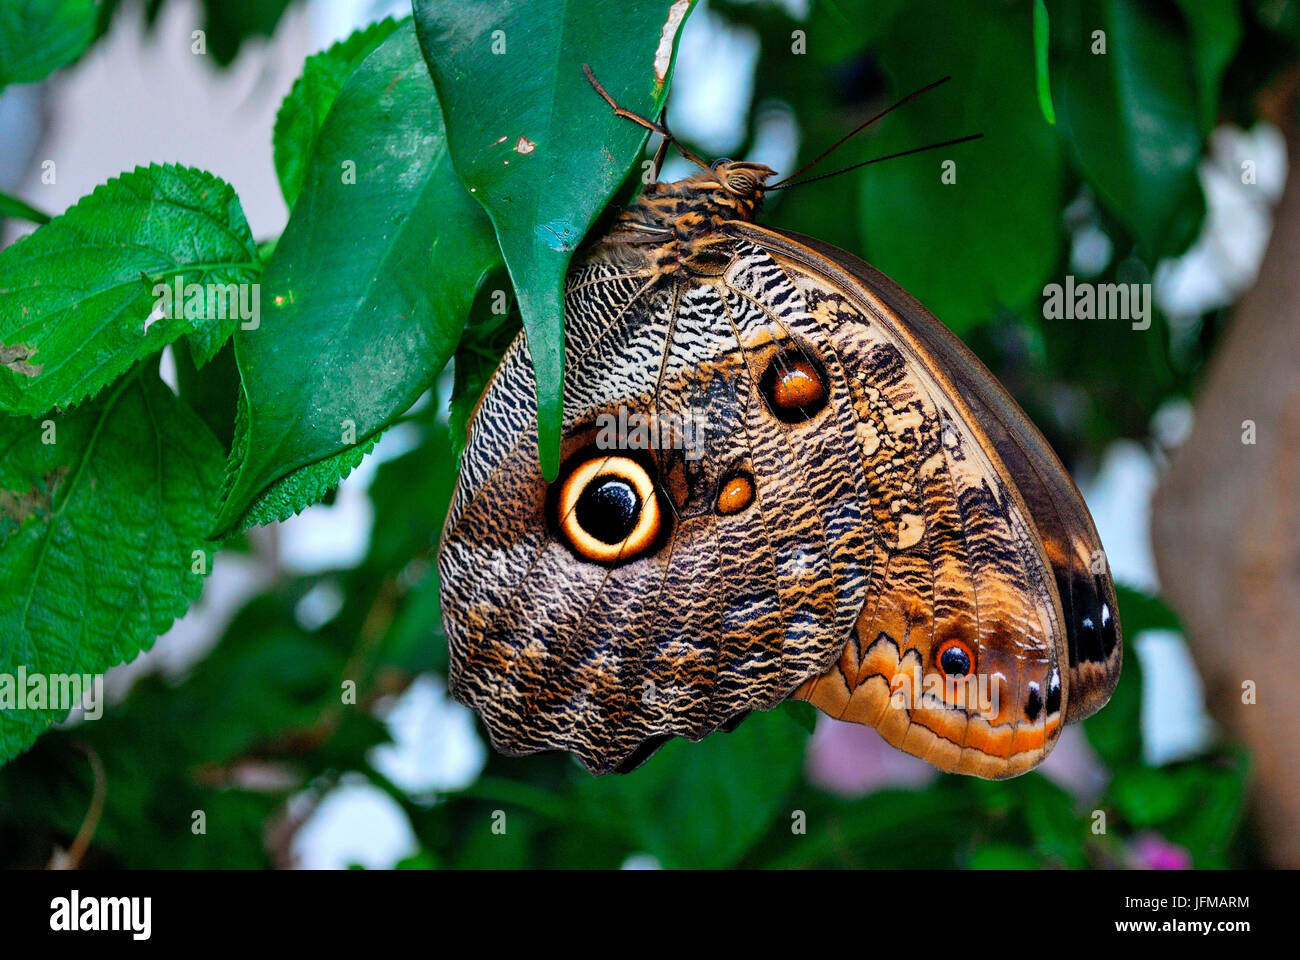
608	509
1109	631
1034	703
955	659
735	494
1054	693
793	387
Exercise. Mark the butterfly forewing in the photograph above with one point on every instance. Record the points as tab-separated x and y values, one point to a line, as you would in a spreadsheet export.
761	560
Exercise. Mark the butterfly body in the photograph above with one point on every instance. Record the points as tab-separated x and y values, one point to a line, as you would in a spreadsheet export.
830	499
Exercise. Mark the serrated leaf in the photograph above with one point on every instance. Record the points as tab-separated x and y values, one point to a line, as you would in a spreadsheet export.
38	37
304	110
537	146
80	298
370	282
97	534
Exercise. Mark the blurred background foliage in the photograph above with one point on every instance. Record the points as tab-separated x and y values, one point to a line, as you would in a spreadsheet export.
254	734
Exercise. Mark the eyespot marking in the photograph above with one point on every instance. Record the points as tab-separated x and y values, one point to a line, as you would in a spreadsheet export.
1034	704
608	509
954	658
735	494
794	386
1054	693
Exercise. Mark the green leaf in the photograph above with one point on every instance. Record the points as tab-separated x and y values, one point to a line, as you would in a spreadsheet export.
1130	118
1147	797
38	37
702	805
1216	31
802	714
1002	856
370	282
1042	28
101	510
537	146
1115	732
990	238
85	297
1206	826
1049	812
13	207
303	112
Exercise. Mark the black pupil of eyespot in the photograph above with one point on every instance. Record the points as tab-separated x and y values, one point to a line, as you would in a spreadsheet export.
608	509
955	662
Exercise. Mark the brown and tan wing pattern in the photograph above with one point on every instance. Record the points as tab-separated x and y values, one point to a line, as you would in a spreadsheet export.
976	574
1060	517
666	588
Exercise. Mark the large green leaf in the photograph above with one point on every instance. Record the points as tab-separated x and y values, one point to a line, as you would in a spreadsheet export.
535	144
38	37
991	237
702	805
1216	31
1130	117
367	290
308	103
101	512
82	298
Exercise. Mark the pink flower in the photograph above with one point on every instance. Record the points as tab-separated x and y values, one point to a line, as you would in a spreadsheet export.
1150	851
851	760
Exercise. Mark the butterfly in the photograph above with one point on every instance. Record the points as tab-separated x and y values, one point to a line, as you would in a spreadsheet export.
781	478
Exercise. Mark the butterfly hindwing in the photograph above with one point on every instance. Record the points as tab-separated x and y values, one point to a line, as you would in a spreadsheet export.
997	505
1061	520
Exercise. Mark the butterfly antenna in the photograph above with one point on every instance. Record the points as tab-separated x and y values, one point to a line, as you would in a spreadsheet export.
856	130
658	128
890	156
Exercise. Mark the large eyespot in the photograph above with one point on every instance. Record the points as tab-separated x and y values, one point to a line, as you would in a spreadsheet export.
608	509
955	658
794	386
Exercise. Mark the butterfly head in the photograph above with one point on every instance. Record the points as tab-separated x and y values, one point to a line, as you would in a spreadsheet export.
734	188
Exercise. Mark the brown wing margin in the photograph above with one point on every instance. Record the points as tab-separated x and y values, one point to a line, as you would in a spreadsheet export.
1062	520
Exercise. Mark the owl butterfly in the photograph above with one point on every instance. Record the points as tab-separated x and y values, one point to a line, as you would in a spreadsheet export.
781	477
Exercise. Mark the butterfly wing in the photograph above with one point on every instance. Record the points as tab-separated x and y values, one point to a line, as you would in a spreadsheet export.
1005	552
846	474
654	589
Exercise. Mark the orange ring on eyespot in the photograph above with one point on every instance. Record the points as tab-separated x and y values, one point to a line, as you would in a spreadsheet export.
642	535
964	647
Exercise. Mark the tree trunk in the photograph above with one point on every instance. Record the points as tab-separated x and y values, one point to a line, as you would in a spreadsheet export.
1226	530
